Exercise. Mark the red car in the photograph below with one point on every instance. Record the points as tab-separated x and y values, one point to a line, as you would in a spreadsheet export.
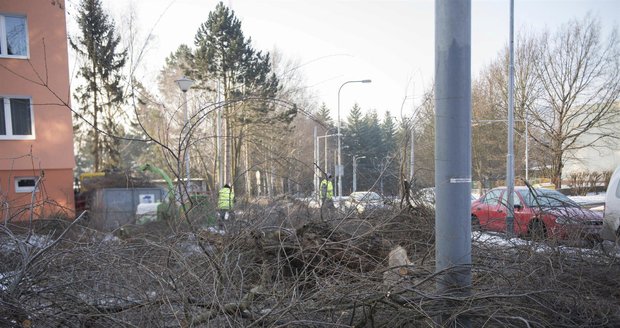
538	213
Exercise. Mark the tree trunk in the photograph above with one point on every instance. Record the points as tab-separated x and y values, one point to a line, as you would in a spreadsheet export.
96	158
556	169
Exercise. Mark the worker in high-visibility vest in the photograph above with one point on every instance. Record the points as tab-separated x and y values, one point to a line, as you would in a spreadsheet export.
326	192
225	202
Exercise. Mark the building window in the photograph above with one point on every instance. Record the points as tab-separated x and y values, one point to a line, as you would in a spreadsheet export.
16	120
13	36
25	184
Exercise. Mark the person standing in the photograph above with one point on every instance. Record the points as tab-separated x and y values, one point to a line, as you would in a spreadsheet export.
327	192
225	201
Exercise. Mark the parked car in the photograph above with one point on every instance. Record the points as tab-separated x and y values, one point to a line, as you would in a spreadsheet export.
426	196
364	201
538	213
611	219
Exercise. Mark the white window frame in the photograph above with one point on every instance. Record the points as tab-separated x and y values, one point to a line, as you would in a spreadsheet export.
3	40
9	120
19	189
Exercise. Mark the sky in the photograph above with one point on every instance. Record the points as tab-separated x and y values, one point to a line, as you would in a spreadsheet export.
390	42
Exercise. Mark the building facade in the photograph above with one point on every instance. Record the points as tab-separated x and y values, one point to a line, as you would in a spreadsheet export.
36	131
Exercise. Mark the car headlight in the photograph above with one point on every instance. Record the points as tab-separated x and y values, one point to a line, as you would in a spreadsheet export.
360	208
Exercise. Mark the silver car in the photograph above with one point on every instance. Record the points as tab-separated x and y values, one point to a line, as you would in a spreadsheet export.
364	201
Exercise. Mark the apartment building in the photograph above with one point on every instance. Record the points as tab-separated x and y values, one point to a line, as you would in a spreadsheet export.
36	134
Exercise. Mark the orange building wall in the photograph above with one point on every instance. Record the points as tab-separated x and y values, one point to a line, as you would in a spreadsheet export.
44	77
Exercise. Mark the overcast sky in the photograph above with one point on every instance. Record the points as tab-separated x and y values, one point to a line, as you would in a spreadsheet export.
390	42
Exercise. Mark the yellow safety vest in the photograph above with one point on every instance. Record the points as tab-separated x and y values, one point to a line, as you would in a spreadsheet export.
225	200
329	187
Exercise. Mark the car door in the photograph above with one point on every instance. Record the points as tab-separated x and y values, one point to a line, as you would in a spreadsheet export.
522	214
488	211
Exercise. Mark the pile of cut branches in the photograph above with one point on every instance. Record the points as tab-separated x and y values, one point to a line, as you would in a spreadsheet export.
283	266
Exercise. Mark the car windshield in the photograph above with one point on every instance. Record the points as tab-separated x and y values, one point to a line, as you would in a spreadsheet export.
546	198
369	196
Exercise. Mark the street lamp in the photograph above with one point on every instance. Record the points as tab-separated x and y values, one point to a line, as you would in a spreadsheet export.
184	84
355	171
510	161
340	169
318	143
317	154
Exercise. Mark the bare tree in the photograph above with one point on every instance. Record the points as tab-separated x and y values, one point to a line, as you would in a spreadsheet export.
578	69
490	105
424	129
488	130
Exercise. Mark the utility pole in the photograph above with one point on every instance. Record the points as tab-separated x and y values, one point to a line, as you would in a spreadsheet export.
355	171
184	84
510	161
339	168
218	123
453	153
316	161
412	156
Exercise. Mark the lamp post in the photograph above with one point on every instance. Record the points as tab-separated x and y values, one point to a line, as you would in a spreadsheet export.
184	84
318	152
510	170
339	169
355	171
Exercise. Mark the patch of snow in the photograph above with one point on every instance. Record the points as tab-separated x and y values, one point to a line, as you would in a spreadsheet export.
497	239
6	278
110	238
40	241
215	230
6	246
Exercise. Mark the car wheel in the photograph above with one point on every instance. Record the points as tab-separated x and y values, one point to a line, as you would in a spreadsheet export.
475	223
537	230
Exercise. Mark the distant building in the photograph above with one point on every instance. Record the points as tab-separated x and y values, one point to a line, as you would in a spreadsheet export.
36	131
604	156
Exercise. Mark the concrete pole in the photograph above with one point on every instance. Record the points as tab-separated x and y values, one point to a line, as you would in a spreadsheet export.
453	151
412	156
383	168
527	151
325	151
510	170
339	169
187	158
335	168
354	173
315	178
218	119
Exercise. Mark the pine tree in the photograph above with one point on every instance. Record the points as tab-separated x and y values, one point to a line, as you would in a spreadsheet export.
388	133
323	115
372	136
101	94
223	55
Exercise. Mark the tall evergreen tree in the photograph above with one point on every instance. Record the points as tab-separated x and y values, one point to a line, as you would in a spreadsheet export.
323	115
225	56
388	133
372	136
355	126
352	143
101	95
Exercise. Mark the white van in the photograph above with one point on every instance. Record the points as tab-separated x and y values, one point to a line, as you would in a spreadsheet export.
611	220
